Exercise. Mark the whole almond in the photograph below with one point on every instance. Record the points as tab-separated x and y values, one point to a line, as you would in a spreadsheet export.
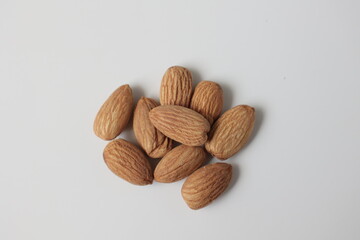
206	184
155	144
179	163
180	124
208	100
128	162
176	87
231	132
114	114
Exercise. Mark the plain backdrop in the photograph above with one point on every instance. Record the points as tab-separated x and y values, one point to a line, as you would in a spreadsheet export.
296	62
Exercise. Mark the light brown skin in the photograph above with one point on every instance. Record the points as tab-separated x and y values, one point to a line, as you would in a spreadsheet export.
176	87
180	124
231	132
114	114
206	184
155	144
128	162
208	100
179	163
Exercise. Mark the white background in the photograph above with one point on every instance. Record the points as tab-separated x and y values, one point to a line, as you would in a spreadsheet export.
296	62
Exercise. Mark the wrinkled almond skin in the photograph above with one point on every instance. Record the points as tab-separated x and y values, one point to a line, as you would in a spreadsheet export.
114	114
155	144
180	124
176	87
206	184
231	132
179	163
208	100
128	162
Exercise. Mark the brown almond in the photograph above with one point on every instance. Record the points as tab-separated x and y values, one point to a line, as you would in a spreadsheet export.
206	184
231	132
208	100
155	144
114	114
179	163
176	87
128	162
180	124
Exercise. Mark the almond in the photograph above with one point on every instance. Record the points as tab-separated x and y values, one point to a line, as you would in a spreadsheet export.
231	132
206	184
155	144
176	87
128	162
179	163
114	114
180	124
208	100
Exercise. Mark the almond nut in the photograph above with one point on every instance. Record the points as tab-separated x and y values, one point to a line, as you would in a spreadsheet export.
208	100
179	163
180	124
206	184
128	162
231	132
176	87
114	114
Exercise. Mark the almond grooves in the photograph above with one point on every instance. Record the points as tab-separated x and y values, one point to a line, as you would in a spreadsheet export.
176	87
206	184
154	143
180	124
208	100
179	163
114	114
231	132
128	162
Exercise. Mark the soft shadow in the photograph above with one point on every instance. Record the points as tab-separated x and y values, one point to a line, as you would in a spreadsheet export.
128	132
228	96
175	144
154	162
196	76
155	97
208	158
259	119
234	179
138	92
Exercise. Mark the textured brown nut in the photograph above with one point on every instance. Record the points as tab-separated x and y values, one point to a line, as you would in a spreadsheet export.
176	87
128	162
208	100
231	132
179	163
114	114
206	184
180	124
155	144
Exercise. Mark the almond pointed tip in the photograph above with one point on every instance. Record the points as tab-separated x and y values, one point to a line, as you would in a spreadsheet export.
194	208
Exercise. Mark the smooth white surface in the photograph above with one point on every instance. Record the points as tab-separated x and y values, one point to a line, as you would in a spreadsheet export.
297	62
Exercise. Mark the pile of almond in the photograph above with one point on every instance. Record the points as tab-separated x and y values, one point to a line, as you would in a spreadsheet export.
191	118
